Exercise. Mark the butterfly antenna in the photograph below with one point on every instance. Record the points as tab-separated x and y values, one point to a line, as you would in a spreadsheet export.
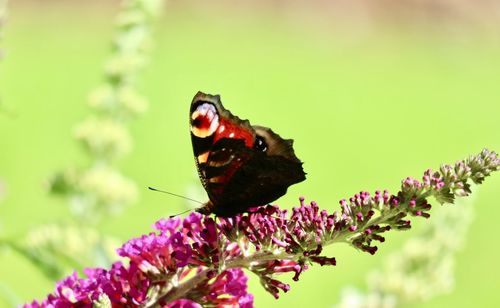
183	197
183	212
169	193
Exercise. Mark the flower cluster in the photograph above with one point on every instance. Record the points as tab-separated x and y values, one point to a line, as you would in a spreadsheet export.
101	189
198	260
422	269
178	257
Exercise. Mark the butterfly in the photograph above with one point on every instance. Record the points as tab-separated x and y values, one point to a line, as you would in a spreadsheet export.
240	165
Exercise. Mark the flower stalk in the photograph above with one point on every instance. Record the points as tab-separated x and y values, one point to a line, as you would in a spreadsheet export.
101	189
198	260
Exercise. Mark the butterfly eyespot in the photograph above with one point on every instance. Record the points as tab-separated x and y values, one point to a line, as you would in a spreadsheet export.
204	120
197	122
260	144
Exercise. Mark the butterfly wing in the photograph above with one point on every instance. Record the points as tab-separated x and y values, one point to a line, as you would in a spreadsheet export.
240	165
220	142
264	177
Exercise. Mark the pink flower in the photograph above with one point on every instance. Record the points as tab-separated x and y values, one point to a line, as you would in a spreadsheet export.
197	260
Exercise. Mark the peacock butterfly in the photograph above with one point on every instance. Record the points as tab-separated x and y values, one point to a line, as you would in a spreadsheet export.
240	165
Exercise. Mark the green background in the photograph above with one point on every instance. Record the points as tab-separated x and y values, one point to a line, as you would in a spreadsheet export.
367	105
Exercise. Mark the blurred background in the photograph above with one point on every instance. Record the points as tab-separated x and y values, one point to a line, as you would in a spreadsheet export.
94	108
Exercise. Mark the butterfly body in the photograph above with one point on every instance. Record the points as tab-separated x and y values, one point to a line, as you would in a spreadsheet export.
240	165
